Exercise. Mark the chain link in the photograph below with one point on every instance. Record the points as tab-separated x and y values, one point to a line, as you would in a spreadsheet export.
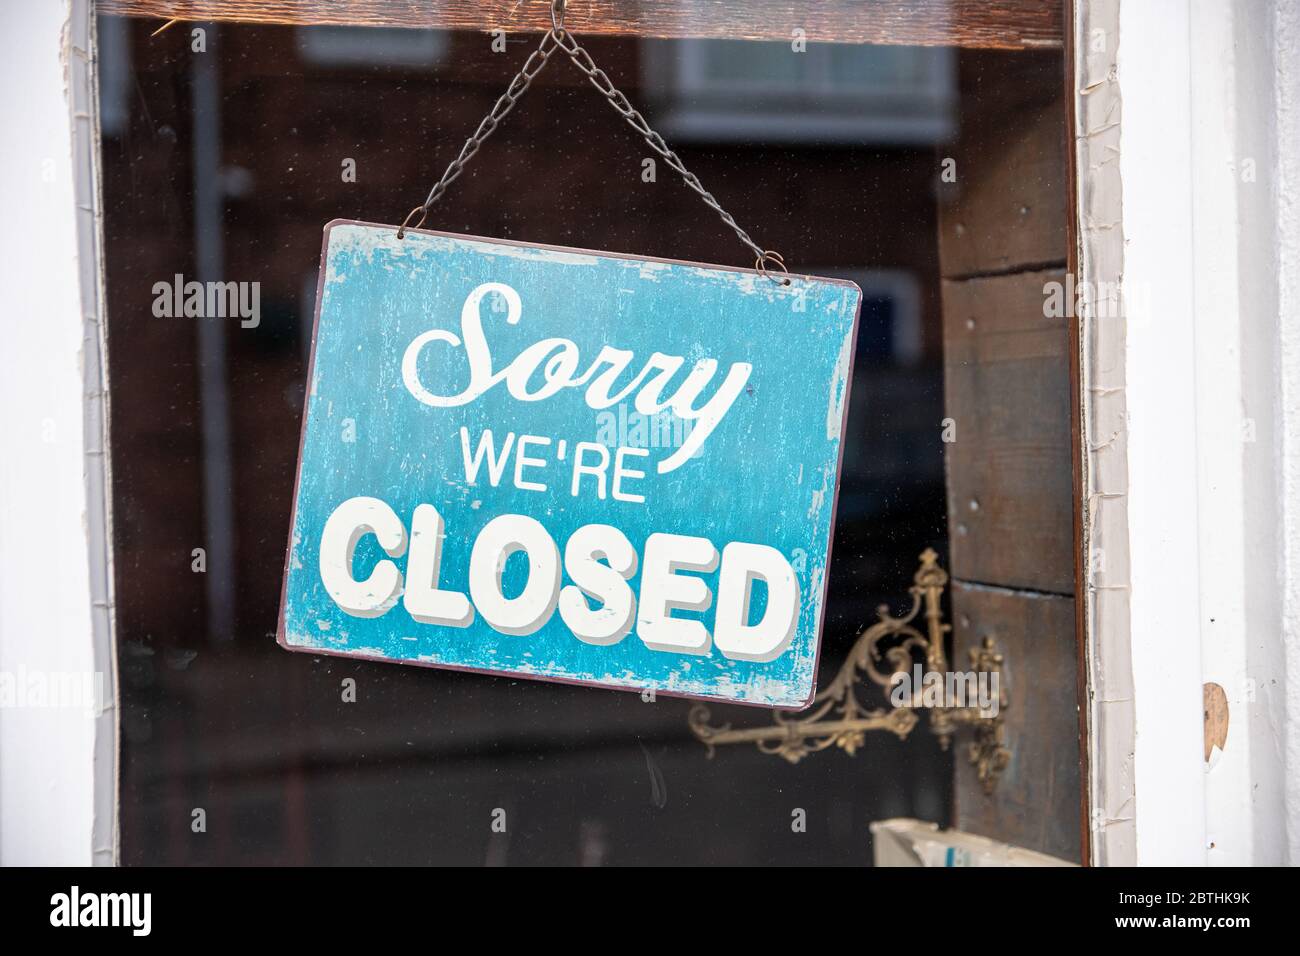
558	38
504	104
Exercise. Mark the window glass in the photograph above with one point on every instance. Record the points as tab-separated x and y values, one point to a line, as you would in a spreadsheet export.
224	163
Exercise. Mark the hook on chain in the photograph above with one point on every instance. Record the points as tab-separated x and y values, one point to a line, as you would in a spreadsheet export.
774	258
557	16
406	223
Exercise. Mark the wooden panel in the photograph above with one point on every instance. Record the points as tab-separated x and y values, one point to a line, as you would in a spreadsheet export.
1007	208
1007	388
1000	24
1036	800
1011	496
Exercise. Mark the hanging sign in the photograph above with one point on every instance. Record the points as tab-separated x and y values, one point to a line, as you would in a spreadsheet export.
568	465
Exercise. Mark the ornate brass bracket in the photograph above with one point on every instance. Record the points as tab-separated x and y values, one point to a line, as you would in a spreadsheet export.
892	652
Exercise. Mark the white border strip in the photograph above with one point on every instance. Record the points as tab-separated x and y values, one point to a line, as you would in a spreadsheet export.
83	91
58	750
1112	820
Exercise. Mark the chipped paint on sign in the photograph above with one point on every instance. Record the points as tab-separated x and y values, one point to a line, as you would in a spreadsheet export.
568	465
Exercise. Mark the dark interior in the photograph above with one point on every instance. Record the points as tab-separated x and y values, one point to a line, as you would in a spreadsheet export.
227	163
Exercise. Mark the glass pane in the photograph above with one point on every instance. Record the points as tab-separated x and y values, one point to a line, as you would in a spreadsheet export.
228	152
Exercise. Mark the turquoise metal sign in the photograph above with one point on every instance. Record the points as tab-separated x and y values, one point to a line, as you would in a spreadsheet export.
568	465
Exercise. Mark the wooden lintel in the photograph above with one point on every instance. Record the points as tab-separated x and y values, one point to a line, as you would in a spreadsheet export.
987	24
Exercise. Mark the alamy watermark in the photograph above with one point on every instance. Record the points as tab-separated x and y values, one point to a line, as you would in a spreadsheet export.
1075	298
209	300
65	690
980	690
620	427
133	911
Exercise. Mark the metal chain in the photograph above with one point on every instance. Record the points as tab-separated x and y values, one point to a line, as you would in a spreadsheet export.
560	38
504	104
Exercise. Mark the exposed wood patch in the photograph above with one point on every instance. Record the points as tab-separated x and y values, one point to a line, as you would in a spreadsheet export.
1215	701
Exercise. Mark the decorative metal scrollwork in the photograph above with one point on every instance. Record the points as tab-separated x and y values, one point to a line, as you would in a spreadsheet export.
886	652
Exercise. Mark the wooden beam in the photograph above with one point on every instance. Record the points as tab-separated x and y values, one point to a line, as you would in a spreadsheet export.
1009	207
988	24
1007	389
1036	801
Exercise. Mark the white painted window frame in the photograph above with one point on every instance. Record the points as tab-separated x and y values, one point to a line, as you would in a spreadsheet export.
1192	424
58	789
